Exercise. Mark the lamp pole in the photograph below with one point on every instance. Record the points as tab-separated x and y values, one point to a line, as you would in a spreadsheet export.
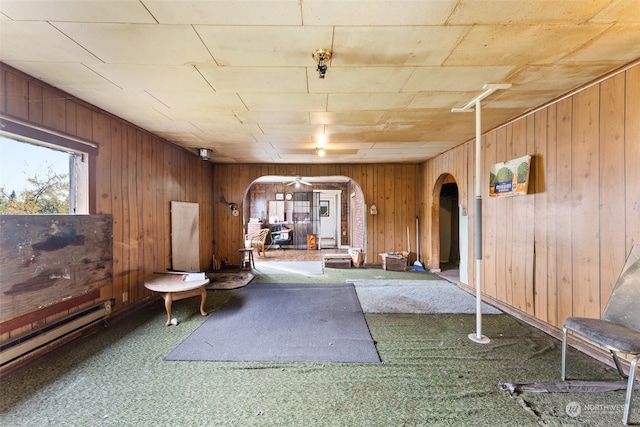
477	336
488	90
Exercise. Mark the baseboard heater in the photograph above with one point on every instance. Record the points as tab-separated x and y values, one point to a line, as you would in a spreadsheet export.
29	343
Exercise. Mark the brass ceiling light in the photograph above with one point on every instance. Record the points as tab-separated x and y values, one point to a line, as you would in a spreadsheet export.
321	56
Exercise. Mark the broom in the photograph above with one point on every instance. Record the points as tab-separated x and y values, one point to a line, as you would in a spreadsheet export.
417	265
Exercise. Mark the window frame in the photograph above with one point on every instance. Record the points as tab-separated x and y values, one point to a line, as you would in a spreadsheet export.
81	175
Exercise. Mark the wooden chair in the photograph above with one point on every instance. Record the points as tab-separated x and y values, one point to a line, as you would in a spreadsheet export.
257	240
618	330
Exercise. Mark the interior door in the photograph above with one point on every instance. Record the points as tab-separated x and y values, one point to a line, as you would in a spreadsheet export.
328	212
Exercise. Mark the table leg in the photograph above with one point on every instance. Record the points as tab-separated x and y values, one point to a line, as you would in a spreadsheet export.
203	298
168	299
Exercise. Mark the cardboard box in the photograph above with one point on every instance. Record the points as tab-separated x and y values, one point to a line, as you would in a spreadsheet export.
357	256
394	261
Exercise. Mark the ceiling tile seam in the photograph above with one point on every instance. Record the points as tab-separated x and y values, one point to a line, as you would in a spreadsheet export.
101	76
242	102
213	58
454	10
206	80
588	42
76	42
301	12
406	81
157	99
149	11
162	114
461	39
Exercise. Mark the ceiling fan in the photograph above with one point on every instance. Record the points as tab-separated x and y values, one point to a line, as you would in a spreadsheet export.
298	181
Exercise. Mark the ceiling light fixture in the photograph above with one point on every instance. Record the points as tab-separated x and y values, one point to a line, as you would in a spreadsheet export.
321	139
320	151
321	56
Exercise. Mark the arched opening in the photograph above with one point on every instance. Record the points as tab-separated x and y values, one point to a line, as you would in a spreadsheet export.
449	227
304	214
446	227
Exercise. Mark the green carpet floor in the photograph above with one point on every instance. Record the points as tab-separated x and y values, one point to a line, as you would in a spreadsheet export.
432	375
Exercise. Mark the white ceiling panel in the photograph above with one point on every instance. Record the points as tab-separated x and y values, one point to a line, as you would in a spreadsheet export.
377	12
284	102
138	44
130	11
619	11
226	12
622	43
460	79
369	101
288	140
176	78
274	129
17	44
206	101
261	46
521	44
256	79
286	117
346	117
353	130
471	12
56	74
196	112
555	77
355	80
386	46
439	99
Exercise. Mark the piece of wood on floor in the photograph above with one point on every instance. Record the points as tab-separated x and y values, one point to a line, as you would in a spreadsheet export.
336	260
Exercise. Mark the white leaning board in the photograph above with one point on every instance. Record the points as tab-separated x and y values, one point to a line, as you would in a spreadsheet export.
185	236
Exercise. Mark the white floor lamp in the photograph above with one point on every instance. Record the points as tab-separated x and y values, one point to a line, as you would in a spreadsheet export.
488	90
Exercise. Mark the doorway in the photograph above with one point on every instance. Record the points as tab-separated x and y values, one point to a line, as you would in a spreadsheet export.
340	213
330	201
449	230
449	227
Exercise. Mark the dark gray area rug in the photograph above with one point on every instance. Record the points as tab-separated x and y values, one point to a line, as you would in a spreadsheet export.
284	323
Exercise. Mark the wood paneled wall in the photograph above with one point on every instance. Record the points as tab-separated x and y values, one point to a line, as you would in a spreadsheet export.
557	251
391	187
134	177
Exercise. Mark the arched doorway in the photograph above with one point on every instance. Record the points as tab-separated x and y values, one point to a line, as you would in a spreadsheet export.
448	225
337	206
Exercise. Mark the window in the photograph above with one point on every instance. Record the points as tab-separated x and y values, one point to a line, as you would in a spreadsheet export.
37	177
324	208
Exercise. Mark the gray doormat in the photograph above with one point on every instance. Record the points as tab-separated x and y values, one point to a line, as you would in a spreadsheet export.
284	323
416	297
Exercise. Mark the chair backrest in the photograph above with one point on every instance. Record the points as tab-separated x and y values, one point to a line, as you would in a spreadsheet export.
624	304
257	236
262	235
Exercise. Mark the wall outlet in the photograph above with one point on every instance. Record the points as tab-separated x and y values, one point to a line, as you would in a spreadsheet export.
125	296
